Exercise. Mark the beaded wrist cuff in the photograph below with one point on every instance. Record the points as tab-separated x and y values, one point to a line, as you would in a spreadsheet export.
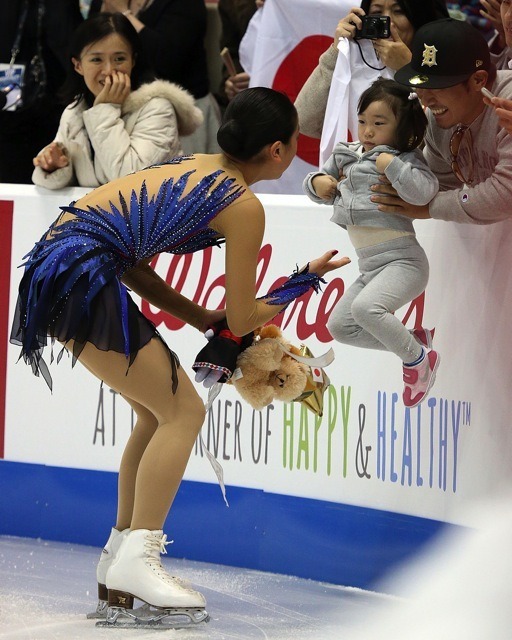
297	284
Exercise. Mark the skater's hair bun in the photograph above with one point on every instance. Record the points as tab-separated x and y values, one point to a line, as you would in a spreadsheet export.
231	136
255	118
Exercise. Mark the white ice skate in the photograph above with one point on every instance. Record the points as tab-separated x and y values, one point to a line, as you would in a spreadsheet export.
106	558
137	572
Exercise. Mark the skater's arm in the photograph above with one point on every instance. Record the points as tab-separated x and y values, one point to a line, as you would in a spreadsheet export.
146	283
243	226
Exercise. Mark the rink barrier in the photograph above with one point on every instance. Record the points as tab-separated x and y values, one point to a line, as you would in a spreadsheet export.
387	480
314	539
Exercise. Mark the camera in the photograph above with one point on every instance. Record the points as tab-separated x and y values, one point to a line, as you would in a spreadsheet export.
374	27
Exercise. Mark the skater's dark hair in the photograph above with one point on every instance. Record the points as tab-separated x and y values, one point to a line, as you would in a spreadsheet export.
255	118
411	119
92	30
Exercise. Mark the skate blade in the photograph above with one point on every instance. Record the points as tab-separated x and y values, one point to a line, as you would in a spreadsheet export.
101	611
147	617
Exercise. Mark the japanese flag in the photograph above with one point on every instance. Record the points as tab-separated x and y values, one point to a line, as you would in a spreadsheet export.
280	49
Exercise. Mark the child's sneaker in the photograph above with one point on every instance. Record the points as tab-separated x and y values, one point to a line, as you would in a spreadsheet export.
419	379
424	337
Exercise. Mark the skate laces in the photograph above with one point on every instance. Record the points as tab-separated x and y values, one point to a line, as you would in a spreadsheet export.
156	544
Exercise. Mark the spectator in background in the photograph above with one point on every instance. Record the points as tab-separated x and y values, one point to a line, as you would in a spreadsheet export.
497	12
316	98
115	124
172	34
502	106
464	146
45	29
234	15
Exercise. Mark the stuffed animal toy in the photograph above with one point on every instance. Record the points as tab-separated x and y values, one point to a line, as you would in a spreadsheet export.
263	366
264	371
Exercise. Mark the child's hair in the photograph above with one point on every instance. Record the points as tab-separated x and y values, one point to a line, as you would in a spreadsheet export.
92	30
411	119
255	118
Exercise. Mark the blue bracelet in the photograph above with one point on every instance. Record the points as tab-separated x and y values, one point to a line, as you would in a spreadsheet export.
297	285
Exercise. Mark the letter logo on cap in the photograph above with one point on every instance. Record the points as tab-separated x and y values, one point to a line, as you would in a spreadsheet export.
429	56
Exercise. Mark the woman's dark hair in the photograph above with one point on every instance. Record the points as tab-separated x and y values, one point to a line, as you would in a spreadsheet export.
255	118
92	30
418	12
411	119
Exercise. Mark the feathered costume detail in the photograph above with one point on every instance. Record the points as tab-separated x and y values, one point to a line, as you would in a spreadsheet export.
79	260
71	288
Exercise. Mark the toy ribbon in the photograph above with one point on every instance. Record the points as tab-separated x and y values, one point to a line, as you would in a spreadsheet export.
320	361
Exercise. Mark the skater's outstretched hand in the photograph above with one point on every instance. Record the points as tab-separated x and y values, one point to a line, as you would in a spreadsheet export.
326	263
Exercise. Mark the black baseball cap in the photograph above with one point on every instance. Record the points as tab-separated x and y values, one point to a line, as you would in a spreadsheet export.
444	53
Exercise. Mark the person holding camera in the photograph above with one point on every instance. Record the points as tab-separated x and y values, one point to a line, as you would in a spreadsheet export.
350	65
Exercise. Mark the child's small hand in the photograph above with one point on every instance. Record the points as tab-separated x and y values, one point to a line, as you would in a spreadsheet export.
383	161
324	186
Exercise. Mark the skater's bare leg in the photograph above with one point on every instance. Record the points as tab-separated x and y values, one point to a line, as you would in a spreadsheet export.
142	433
148	382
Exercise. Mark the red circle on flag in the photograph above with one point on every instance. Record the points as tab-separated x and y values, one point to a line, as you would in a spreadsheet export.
292	73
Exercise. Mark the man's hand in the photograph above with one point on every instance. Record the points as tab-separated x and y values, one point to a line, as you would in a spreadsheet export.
492	12
389	201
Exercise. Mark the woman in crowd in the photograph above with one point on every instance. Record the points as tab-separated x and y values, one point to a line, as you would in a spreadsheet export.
74	290
392	53
172	34
115	122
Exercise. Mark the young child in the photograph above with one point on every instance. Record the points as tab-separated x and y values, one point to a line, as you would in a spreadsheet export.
394	268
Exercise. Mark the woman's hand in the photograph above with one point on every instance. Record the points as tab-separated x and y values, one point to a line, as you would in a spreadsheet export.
116	89
327	263
392	51
52	157
347	26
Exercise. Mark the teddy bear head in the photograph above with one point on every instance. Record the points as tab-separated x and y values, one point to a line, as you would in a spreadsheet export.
265	372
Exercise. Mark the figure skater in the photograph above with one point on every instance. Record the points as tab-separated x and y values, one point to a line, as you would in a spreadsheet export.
393	267
74	291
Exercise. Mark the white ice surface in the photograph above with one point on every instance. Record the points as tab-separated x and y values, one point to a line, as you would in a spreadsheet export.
46	588
460	588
